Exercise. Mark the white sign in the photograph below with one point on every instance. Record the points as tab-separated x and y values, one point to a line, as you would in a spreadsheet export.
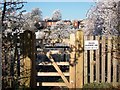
91	45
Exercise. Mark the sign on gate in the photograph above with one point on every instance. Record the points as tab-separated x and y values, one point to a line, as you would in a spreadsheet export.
91	45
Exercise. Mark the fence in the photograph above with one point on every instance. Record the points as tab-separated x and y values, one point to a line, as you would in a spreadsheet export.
102	64
99	65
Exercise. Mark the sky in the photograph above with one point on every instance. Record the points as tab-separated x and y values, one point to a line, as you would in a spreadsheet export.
69	10
52	0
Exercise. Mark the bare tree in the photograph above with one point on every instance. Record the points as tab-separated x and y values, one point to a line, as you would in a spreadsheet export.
12	53
36	14
32	18
57	15
103	19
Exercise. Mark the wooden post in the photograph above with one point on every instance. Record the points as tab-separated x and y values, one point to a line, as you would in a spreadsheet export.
72	69
79	65
33	83
72	61
28	62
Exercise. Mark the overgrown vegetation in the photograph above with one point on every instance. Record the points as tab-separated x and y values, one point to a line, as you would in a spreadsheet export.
96	85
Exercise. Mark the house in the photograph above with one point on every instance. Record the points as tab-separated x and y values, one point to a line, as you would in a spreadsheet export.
67	22
49	23
76	24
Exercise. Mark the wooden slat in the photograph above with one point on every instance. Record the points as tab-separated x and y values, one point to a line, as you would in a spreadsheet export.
85	65
103	59
114	61
91	64
58	70
58	63
51	74
97	62
50	84
109	47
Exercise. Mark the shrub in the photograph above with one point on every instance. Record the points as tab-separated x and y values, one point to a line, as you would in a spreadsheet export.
98	85
118	87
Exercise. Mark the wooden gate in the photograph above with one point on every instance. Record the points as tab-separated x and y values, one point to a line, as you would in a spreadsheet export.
62	68
71	77
85	66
